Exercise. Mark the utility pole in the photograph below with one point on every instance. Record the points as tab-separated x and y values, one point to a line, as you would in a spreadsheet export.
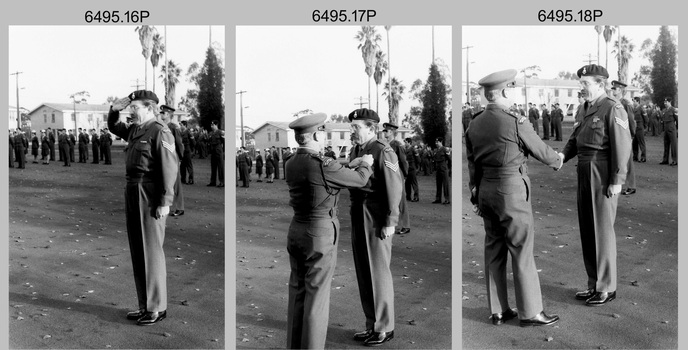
16	75
360	101
137	84
241	112
468	89
589	60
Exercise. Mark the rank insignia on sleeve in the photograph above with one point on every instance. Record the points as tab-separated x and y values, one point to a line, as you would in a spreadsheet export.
621	122
522	120
388	149
393	166
168	146
326	161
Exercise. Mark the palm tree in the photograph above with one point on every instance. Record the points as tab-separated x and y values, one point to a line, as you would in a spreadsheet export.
623	55
380	71
156	52
599	30
368	39
394	95
389	57
146	38
170	73
608	32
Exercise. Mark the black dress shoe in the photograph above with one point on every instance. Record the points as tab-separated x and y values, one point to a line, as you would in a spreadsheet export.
664	162
211	185
376	339
628	191
601	298
500	318
673	164
586	294
542	319
437	202
150	318
177	213
361	336
405	230
135	315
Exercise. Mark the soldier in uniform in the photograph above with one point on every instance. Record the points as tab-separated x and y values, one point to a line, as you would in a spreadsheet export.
330	153
557	118
259	166
21	147
95	146
83	146
618	92
35	145
389	132
217	156
188	141
166	115
314	183
466	116
642	122
269	166
601	140
546	122
374	214
45	148
498	144
11	155
534	116
413	160
72	144
442	160
106	143
244	163
63	142
670	122
51	143
151	168
275	161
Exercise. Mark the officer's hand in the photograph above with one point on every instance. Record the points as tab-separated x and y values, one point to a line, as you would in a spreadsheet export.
161	211
387	231
355	163
368	158
561	162
121	104
613	190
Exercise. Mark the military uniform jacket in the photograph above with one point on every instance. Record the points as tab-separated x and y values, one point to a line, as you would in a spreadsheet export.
630	113
244	161
105	140
557	114
412	158
641	118
533	114
51	138
442	156
72	140
602	131
670	116
398	148
384	186
188	140
467	115
95	140
314	183
499	139
20	141
63	140
150	154
178	145
34	143
83	139
217	139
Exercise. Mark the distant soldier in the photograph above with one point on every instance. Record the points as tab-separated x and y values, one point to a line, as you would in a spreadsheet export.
35	145
546	121
269	166
203	144
330	153
534	116
189	142
466	116
285	157
45	147
83	146
51	143
259	165
413	160
166	116
618	92
63	142
217	161
557	119
72	145
670	122
11	155
105	144
641	121
389	133
275	161
95	146
653	126
244	164
442	159
21	147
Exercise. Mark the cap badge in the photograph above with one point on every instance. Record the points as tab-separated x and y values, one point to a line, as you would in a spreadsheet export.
584	72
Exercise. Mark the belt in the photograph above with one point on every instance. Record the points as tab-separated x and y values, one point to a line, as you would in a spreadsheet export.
593	155
499	172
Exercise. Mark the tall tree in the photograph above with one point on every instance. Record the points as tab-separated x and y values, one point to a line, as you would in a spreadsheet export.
189	101
368	40
663	76
394	95
608	32
641	78
157	50
380	71
599	30
624	53
170	73
389	67
433	116
412	120
210	83
146	34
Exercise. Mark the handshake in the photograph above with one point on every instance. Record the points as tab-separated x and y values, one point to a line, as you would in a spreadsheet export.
368	159
561	162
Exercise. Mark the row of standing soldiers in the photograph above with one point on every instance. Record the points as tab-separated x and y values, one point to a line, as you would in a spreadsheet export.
66	140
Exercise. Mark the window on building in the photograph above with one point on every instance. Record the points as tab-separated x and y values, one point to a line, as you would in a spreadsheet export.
53	118
73	117
341	135
269	137
45	118
556	92
90	118
105	118
329	135
570	92
276	136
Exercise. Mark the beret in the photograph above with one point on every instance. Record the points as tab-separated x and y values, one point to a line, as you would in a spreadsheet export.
592	70
618	83
389	126
165	108
497	80
309	123
143	95
364	114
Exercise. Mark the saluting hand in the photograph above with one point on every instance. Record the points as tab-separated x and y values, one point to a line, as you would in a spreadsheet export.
121	104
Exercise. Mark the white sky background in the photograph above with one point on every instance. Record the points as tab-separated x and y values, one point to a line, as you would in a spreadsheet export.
58	61
288	69
553	48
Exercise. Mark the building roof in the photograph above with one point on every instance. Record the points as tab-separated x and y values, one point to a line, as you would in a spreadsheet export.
280	125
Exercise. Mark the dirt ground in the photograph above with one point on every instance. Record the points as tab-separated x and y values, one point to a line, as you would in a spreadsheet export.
644	315
421	268
71	282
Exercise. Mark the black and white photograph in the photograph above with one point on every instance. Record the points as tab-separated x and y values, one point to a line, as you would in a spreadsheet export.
343	187
570	187
116	187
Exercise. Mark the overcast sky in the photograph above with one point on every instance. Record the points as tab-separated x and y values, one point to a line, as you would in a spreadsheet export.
288	69
57	61
553	48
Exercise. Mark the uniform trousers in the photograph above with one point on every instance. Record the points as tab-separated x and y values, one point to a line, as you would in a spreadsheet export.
545	127
404	220
630	176
82	153
411	185
178	201
187	166
64	154
508	218
96	156
20	156
556	128
639	144
52	150
670	142
217	168
442	183
146	236
596	215
312	248
372	258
